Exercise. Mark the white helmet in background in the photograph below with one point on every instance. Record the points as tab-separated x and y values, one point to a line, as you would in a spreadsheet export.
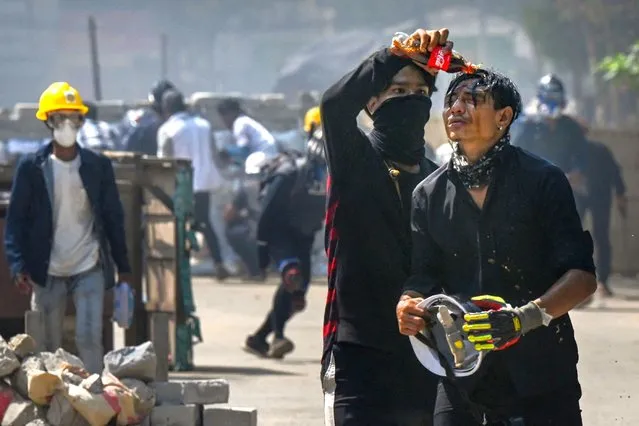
254	163
444	341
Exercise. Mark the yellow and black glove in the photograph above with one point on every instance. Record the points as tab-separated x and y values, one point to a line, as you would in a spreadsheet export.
499	326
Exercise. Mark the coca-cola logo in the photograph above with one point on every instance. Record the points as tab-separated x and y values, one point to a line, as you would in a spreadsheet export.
440	59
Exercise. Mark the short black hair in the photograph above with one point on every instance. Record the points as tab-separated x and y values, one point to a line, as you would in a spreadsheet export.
92	113
229	106
173	102
500	88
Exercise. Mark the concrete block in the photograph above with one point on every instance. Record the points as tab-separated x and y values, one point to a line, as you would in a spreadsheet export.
177	415
167	393
215	391
229	416
23	345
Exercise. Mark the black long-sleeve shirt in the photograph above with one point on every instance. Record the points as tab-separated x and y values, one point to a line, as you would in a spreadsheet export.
367	222
527	235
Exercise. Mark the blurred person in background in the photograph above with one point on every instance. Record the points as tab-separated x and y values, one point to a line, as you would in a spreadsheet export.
605	178
548	132
249	135
241	215
293	204
96	134
370	375
186	135
138	130
65	227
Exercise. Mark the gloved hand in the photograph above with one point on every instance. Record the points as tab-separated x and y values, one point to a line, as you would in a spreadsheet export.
500	326
263	257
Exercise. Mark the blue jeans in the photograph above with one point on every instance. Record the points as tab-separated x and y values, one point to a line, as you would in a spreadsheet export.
87	289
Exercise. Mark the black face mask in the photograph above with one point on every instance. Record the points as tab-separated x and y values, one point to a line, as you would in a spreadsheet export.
398	130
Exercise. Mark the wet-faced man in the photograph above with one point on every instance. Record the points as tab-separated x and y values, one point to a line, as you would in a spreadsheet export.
370	375
499	223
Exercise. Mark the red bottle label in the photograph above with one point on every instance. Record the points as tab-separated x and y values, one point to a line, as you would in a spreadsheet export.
439	58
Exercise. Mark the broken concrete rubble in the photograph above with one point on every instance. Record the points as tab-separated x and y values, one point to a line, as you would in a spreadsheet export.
8	360
54	389
22	345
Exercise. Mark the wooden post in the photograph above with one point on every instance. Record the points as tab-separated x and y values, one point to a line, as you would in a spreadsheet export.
160	339
34	327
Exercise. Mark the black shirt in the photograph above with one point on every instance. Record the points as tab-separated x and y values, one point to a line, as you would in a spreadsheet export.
367	224
527	235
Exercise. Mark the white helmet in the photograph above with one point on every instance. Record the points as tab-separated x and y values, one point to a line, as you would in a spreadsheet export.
444	341
254	162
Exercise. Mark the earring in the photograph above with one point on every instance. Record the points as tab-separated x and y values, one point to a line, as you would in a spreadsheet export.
499	127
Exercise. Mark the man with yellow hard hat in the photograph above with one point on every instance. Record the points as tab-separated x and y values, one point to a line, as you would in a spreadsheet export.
65	227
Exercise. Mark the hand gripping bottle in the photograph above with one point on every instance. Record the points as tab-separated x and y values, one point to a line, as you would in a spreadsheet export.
443	58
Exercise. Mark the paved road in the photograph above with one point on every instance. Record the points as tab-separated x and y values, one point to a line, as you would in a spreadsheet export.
287	392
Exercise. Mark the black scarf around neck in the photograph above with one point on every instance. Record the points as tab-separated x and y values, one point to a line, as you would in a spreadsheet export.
478	174
398	128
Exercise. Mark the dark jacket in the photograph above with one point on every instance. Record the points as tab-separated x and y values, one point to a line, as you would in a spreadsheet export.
29	226
527	236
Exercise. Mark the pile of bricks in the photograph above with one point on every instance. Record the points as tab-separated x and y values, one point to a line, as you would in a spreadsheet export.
53	389
197	403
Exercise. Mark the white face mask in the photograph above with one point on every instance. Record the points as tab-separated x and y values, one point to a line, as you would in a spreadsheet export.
65	134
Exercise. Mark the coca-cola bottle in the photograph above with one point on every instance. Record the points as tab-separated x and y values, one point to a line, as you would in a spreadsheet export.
443	58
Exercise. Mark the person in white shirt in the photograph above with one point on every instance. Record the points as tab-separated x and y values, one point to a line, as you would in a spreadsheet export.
250	136
186	135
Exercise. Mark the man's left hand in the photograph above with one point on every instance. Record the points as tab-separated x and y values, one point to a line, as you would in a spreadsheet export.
125	277
500	326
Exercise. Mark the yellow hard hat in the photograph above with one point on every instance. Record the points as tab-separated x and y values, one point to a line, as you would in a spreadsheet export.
312	118
60	95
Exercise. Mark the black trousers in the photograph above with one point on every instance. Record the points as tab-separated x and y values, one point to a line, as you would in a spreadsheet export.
203	224
556	408
283	252
377	388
